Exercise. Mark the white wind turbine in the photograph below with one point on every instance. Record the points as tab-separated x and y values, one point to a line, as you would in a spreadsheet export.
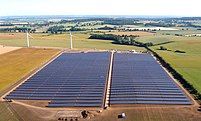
71	41
28	35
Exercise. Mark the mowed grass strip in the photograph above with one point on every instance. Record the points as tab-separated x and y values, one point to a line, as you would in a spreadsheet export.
80	41
16	64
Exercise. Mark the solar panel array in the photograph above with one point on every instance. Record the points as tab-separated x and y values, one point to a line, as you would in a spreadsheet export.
74	79
139	79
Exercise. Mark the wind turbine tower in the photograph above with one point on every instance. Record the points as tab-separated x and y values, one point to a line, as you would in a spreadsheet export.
28	35
28	44
71	41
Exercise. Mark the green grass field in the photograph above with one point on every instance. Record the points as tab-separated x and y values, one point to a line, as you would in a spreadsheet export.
155	39
80	41
187	64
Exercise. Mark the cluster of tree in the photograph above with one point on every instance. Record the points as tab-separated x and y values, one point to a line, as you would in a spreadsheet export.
120	21
112	21
179	51
56	29
177	76
123	39
178	34
92	23
6	24
104	36
18	29
145	30
162	48
106	28
41	24
160	24
60	29
77	29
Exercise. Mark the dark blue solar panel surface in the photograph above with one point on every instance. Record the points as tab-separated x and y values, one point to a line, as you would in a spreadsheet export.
73	79
139	79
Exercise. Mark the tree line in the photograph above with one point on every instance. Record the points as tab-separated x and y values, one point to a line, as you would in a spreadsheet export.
121	39
18	29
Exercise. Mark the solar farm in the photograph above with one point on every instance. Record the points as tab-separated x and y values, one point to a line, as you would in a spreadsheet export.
81	80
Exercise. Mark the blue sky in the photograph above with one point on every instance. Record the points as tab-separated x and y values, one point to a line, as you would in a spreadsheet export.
101	7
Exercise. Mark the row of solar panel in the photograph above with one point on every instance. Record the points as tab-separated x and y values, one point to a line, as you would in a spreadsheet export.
151	102
74	105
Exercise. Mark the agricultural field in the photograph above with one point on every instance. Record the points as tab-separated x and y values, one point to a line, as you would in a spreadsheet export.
80	41
16	64
155	39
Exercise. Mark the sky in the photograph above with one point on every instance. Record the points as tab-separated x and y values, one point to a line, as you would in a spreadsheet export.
101	7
